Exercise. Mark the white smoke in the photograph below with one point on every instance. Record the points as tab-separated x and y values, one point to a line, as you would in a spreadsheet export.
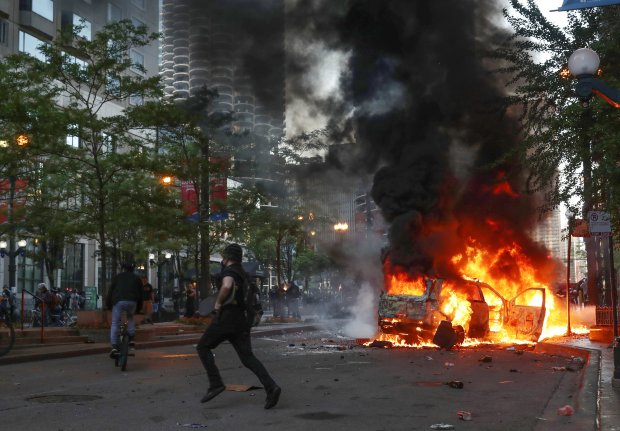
364	312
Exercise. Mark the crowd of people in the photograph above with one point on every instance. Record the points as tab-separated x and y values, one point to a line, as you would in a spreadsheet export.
285	300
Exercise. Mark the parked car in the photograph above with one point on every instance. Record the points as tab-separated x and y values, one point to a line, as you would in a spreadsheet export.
418	317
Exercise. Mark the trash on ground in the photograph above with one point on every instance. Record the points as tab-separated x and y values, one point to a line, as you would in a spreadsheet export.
241	388
511	349
514	370
192	425
429	358
456	384
381	344
485	359
566	411
463	415
558	368
449	364
442	427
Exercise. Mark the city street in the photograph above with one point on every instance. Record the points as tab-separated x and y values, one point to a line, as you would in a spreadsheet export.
328	382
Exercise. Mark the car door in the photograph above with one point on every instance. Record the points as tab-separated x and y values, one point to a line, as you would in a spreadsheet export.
526	320
519	319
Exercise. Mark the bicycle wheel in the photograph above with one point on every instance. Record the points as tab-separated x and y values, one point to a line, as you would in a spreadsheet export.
7	337
124	351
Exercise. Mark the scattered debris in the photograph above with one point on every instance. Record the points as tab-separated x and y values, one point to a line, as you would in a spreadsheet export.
241	388
191	425
381	344
514	370
442	427
429	358
456	384
511	349
486	359
567	410
447	336
463	415
449	364
558	368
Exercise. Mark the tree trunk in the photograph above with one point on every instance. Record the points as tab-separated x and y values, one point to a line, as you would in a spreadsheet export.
204	280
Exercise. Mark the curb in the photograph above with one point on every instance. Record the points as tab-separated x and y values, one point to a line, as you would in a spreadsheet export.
95	350
587	395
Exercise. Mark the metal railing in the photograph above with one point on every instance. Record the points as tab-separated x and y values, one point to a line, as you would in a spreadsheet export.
605	316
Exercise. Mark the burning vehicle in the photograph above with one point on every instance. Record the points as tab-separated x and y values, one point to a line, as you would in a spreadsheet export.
447	312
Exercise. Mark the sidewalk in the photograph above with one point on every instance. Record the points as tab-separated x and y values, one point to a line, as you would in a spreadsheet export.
608	397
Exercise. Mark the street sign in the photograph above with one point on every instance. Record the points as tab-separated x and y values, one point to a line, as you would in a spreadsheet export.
599	222
90	296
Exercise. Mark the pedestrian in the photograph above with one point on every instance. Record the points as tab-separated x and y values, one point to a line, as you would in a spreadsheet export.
278	309
125	295
44	303
293	294
190	301
147	300
7	303
229	324
176	301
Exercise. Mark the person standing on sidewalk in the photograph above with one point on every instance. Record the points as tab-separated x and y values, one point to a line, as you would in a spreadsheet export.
147	300
229	324
125	295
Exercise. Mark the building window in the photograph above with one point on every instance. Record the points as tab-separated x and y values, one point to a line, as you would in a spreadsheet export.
115	13
136	99
44	8
137	61
139	3
107	143
28	271
85	27
137	22
4	32
73	272
29	44
73	140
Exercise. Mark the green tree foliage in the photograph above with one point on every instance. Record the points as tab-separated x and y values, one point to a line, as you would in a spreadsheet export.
103	164
563	141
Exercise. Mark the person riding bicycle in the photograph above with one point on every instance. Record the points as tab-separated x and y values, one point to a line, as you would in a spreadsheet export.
125	295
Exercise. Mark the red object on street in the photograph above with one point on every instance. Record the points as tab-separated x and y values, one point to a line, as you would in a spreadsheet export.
566	411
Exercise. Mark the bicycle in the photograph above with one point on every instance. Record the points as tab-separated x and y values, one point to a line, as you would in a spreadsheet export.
7	334
121	357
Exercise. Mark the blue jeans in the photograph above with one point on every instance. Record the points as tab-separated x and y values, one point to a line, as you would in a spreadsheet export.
129	307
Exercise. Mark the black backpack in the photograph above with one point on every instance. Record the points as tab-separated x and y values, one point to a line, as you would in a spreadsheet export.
248	298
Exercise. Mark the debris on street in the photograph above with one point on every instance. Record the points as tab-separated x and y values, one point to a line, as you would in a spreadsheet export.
464	415
442	427
567	410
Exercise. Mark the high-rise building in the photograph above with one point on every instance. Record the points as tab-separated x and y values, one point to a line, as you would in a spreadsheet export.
235	47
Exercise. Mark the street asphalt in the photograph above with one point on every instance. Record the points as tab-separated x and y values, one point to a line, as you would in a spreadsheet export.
329	382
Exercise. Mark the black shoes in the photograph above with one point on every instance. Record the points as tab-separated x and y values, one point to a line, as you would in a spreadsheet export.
272	397
114	352
212	393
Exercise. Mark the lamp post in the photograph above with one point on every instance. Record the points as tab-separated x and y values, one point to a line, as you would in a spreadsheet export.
8	249
161	260
583	65
571	220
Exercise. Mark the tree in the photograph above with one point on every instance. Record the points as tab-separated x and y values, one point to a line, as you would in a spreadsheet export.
103	162
564	143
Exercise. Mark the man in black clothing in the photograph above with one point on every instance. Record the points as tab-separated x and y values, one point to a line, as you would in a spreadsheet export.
229	323
125	295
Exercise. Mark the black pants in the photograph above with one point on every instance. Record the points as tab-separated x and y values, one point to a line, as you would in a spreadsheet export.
230	326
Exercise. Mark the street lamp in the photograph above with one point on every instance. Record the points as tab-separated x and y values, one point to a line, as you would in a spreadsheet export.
583	65
8	249
161	260
571	220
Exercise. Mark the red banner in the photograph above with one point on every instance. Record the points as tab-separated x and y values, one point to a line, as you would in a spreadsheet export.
218	191
19	197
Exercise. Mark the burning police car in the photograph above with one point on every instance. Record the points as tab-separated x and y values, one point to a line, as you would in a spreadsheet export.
446	312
